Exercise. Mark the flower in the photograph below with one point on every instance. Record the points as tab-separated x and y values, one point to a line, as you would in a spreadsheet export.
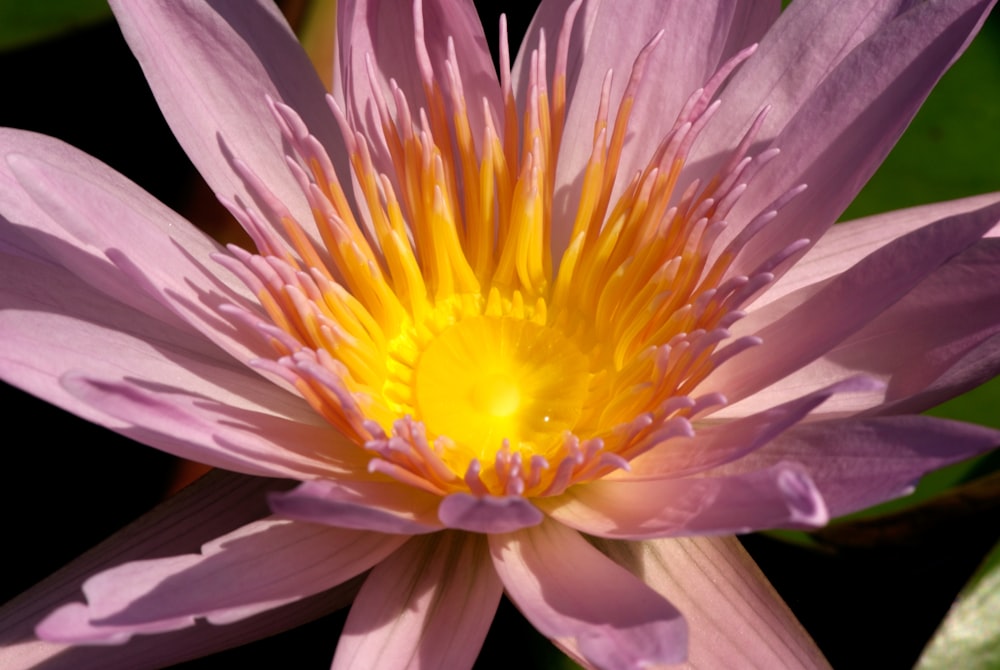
522	336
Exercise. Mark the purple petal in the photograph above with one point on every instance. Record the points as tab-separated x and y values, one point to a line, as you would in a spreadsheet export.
581	599
845	304
840	135
735	617
214	505
428	605
721	443
229	56
781	496
386	507
258	567
488	514
857	463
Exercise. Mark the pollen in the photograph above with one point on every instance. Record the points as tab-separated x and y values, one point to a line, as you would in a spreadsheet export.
430	318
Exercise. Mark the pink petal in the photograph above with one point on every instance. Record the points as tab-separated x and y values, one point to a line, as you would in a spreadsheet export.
429	605
137	234
386	507
211	67
57	325
844	305
839	136
215	504
735	617
581	599
386	32
489	514
76	246
258	567
721	443
780	496
229	432
856	463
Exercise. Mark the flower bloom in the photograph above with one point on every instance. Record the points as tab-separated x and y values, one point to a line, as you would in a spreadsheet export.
512	334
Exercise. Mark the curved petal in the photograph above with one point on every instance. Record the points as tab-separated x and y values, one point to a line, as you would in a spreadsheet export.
386	507
211	66
840	135
736	618
844	305
216	504
856	463
780	496
488	514
578	597
428	605
258	567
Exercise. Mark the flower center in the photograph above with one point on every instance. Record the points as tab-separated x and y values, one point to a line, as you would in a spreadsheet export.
489	380
428	321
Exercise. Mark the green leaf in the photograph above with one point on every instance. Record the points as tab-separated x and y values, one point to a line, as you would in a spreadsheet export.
968	638
22	22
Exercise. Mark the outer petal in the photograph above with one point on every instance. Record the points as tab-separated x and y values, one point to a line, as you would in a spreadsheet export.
736	618
211	66
84	216
840	135
429	605
781	496
51	324
258	567
856	463
216	504
581	599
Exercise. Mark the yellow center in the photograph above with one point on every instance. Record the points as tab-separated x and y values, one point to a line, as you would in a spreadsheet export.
486	380
428	321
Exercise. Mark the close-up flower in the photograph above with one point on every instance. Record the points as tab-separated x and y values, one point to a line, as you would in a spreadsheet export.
555	330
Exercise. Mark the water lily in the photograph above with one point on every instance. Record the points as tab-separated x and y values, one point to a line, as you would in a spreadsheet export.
557	334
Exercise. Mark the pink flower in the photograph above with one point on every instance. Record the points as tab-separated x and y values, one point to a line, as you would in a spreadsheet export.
545	336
